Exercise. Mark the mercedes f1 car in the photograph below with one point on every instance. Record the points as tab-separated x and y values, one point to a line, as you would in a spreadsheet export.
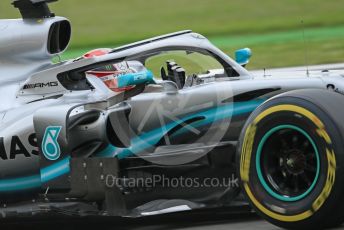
159	125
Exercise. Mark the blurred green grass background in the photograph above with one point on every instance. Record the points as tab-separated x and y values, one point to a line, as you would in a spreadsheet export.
273	29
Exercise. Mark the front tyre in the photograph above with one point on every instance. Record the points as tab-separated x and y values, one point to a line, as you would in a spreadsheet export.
291	159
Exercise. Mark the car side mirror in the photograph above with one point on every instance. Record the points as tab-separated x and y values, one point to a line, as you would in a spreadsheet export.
242	56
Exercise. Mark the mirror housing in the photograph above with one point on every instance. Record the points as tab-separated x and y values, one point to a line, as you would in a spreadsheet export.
242	56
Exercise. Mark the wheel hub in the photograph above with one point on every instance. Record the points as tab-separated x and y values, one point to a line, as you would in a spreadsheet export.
295	162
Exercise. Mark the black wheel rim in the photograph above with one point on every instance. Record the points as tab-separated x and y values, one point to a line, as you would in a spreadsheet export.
288	163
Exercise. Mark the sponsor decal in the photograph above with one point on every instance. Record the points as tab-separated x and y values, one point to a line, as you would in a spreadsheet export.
18	148
41	85
140	77
50	146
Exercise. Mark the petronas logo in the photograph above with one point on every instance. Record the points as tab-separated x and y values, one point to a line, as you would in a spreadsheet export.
50	146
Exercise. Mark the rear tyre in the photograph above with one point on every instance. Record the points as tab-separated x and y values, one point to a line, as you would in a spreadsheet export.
291	159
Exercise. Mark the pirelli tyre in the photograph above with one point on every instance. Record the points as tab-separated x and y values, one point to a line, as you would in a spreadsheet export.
291	159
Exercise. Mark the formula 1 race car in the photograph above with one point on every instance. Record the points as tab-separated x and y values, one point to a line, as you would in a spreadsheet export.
159	126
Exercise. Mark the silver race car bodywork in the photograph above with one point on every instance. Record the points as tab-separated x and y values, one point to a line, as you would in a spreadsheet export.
59	127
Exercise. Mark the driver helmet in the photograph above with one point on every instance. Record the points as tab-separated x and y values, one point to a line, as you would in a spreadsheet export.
109	72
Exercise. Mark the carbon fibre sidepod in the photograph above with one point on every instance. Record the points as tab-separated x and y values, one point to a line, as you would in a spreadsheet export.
76	131
61	136
117	126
